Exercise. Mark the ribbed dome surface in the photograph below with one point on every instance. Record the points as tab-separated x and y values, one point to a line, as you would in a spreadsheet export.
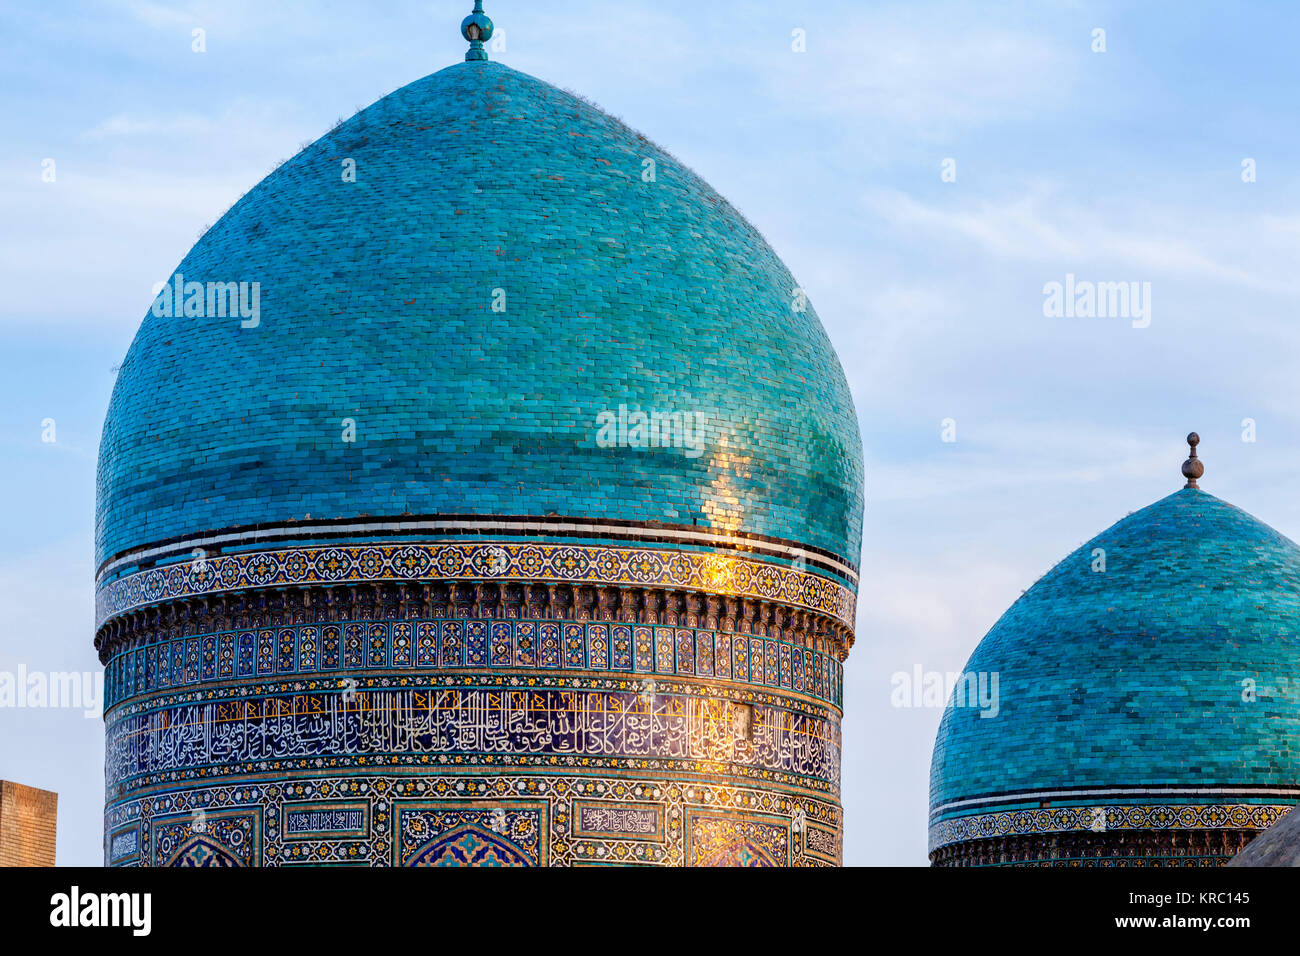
376	304
1134	676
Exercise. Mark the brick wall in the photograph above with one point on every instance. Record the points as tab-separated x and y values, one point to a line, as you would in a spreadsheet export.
27	821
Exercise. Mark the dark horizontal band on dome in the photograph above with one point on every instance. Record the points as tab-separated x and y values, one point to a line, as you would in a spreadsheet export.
1145	838
1023	797
548	526
1234	809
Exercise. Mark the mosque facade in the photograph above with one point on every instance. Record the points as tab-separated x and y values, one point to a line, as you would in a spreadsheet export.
512	518
1148	710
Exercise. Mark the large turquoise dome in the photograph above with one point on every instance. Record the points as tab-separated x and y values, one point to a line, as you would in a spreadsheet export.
513	520
509	263
1148	682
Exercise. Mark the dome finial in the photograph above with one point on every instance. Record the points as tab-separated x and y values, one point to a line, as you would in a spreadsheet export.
1192	467
477	29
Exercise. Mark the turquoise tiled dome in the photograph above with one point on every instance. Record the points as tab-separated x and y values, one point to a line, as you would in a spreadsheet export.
1138	676
376	304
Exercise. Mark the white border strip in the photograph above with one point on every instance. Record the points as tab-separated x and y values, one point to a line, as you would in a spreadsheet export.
631	532
1188	790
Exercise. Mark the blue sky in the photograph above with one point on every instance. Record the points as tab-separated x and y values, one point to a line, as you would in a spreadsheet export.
1117	166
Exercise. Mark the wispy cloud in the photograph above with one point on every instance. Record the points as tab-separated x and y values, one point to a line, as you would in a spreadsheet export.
935	70
1045	453
160	15
1045	224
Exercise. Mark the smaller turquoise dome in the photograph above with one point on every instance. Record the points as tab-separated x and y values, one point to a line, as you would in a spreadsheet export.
1176	663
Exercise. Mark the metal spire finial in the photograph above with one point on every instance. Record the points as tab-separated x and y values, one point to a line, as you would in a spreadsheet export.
1193	468
477	29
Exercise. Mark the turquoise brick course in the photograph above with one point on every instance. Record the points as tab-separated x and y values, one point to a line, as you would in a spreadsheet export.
1133	677
376	303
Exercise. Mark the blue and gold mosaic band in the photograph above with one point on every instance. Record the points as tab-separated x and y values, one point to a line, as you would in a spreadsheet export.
1037	814
493	561
1107	828
497	818
314	650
